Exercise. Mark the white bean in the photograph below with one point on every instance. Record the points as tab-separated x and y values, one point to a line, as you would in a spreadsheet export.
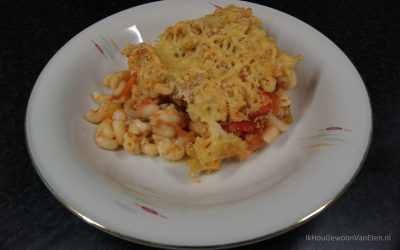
269	84
112	80
164	105
158	138
119	130
145	111
137	127
199	128
171	151
107	79
135	90
292	80
131	144
106	143
164	130
129	108
270	134
278	123
183	140
284	98
148	148
96	116
119	114
105	129
99	97
170	117
121	85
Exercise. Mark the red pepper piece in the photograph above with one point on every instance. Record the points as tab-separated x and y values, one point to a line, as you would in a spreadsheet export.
240	126
262	111
254	141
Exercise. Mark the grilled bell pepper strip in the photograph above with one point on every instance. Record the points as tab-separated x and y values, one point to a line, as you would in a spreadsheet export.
275	101
239	127
132	80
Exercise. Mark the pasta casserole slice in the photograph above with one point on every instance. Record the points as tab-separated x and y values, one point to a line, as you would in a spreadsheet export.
210	88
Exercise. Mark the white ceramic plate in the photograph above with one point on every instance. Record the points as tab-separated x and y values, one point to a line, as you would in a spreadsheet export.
150	200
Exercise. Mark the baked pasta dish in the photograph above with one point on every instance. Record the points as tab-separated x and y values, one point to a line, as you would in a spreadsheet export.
210	89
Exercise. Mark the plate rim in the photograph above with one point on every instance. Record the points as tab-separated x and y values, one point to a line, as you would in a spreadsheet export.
103	228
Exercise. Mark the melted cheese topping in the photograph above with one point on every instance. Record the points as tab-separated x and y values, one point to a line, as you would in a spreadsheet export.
217	65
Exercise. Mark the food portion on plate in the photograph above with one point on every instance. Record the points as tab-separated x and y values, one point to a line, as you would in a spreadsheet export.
211	88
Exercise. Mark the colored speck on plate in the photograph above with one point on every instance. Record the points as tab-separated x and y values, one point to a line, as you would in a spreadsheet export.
320	145
114	44
98	47
216	6
335	129
150	211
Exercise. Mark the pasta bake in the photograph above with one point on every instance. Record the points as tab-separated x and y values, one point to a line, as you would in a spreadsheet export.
209	89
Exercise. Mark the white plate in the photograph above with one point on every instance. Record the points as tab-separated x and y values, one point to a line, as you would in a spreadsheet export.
273	191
